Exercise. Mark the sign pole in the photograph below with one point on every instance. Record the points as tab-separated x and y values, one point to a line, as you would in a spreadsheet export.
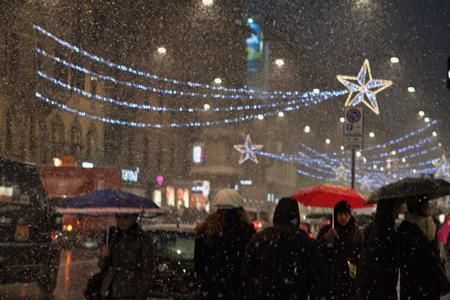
353	168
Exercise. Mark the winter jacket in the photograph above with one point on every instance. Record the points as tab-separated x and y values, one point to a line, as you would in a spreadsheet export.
336	255
130	263
281	262
418	264
218	261
377	273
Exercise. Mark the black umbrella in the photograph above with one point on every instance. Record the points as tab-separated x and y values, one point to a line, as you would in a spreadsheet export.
416	188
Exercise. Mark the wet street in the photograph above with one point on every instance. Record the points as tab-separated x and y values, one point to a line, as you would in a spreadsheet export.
76	266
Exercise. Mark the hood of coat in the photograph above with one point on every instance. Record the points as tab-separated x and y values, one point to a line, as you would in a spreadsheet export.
287	213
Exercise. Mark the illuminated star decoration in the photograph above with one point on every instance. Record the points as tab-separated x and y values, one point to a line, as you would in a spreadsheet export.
364	87
442	167
248	150
341	173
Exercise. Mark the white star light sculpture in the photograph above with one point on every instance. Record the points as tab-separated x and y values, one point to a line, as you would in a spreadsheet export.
442	167
364	87
248	150
341	173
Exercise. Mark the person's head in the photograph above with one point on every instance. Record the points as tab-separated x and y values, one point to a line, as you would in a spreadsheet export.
343	212
418	207
124	222
287	213
228	199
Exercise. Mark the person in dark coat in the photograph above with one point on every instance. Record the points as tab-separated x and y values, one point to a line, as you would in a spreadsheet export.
281	261
128	260
220	246
419	254
377	271
340	246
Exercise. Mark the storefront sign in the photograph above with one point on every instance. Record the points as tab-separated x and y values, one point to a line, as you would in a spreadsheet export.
130	175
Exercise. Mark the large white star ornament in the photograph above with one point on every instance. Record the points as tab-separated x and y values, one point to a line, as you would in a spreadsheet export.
364	88
442	167
248	150
341	173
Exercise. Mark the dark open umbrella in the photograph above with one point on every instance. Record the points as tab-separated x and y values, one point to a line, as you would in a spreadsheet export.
407	188
108	202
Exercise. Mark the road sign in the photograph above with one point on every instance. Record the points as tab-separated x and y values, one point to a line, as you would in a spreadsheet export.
353	127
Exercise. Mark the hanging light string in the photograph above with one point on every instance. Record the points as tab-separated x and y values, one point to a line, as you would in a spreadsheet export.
193	124
303	102
190	84
311	96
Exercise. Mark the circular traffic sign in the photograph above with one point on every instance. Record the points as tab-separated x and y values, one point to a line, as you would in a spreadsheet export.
353	115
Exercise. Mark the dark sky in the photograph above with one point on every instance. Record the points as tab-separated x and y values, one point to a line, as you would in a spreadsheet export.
334	37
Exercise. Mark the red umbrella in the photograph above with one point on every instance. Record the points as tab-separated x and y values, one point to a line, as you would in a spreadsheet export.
327	195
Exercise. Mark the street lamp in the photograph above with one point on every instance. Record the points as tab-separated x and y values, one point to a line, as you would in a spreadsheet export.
395	60
327	141
427	120
371	134
342	119
281	114
342	148
411	89
260	117
421	113
208	2
279	62
218	80
307	129
162	50
316	91
434	133
206	106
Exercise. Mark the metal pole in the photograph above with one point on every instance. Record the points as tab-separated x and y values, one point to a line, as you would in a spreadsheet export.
353	168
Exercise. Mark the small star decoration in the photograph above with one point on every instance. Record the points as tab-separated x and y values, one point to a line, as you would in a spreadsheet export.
248	150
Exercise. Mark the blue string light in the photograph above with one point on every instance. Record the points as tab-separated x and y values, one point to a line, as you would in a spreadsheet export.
138	106
308	96
123	68
226	121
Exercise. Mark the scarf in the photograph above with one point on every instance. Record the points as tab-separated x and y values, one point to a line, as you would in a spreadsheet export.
425	224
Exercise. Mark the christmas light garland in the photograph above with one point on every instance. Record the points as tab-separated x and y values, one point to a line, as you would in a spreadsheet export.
226	121
138	106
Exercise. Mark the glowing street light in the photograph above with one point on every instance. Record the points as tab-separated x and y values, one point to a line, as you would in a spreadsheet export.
371	134
307	129
316	91
208	2
342	119
358	153
395	60
411	89
279	62
342	148
421	114
260	117
250	21
281	114
434	133
327	141
206	107
162	50
427	120
218	80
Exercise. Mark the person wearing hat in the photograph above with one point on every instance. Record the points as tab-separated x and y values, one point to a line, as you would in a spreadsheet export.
340	247
419	254
281	261
220	246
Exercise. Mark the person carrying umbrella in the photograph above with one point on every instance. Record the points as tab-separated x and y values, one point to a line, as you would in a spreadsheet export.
419	255
127	260
220	244
377	271
282	262
340	246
